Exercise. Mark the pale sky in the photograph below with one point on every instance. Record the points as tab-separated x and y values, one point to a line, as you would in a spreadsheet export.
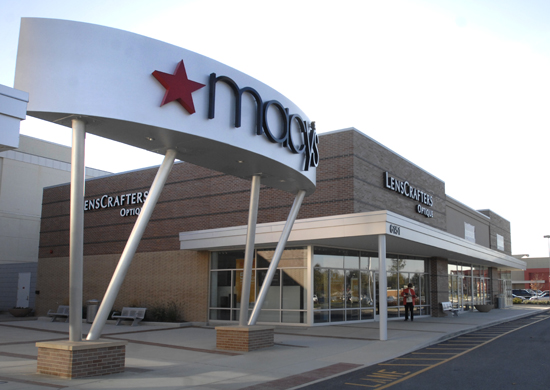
459	88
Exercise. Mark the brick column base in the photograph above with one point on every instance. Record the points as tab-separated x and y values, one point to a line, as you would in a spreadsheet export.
78	359
244	338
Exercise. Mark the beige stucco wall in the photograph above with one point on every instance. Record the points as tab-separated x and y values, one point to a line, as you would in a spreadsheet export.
24	172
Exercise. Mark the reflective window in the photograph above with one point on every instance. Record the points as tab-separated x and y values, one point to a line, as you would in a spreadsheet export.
345	288
369	262
227	260
287	289
353	295
294	292
320	288
337	285
409	265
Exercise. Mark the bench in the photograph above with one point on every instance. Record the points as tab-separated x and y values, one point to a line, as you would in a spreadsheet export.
62	311
448	306
135	314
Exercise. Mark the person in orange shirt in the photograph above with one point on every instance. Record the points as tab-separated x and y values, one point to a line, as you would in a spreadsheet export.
409	296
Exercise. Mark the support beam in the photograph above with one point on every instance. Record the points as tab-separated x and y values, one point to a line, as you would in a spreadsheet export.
76	235
277	256
249	251
383	289
131	245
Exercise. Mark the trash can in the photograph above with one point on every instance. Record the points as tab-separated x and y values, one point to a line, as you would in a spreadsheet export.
91	310
501	301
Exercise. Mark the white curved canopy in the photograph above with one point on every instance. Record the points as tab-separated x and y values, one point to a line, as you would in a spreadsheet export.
156	96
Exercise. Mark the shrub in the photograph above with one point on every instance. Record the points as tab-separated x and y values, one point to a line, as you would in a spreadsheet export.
163	313
537	302
517	300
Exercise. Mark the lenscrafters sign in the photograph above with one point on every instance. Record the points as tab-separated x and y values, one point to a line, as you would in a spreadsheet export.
406	189
130	201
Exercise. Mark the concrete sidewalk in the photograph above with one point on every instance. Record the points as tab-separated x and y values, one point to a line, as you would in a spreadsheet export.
169	356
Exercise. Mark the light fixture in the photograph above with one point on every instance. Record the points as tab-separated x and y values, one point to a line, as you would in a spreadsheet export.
149	138
240	161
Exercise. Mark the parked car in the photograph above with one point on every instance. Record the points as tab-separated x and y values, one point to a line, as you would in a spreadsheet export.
519	296
545	296
522	293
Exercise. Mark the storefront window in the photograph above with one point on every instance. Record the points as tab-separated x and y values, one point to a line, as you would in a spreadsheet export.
227	260
287	290
370	262
320	288
367	289
408	265
337	289
352	288
294	292
468	285
353	294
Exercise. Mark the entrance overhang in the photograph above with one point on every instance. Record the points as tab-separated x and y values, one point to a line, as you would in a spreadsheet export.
358	231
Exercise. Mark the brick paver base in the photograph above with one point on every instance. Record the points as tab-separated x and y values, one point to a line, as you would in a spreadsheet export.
243	338
71	359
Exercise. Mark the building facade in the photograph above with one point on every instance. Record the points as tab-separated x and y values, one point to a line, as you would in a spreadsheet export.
191	254
536	275
24	172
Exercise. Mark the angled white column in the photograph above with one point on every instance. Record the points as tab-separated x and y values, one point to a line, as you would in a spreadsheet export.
76	239
249	251
131	246
383	289
277	256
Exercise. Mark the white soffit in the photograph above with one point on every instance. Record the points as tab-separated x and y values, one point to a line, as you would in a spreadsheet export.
357	231
156	96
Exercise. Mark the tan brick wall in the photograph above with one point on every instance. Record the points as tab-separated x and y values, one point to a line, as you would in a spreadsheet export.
153	279
81	363
350	179
194	198
235	338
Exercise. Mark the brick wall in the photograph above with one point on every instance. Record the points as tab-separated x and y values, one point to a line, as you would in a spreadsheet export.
439	285
62	360
153	279
349	179
371	161
236	338
501	226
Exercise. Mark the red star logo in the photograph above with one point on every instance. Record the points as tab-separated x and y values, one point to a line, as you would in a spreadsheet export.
178	87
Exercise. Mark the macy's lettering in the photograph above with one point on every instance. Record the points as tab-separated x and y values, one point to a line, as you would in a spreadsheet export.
289	121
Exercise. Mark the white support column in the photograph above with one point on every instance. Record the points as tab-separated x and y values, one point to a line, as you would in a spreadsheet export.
383	289
277	256
76	239
131	246
249	251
